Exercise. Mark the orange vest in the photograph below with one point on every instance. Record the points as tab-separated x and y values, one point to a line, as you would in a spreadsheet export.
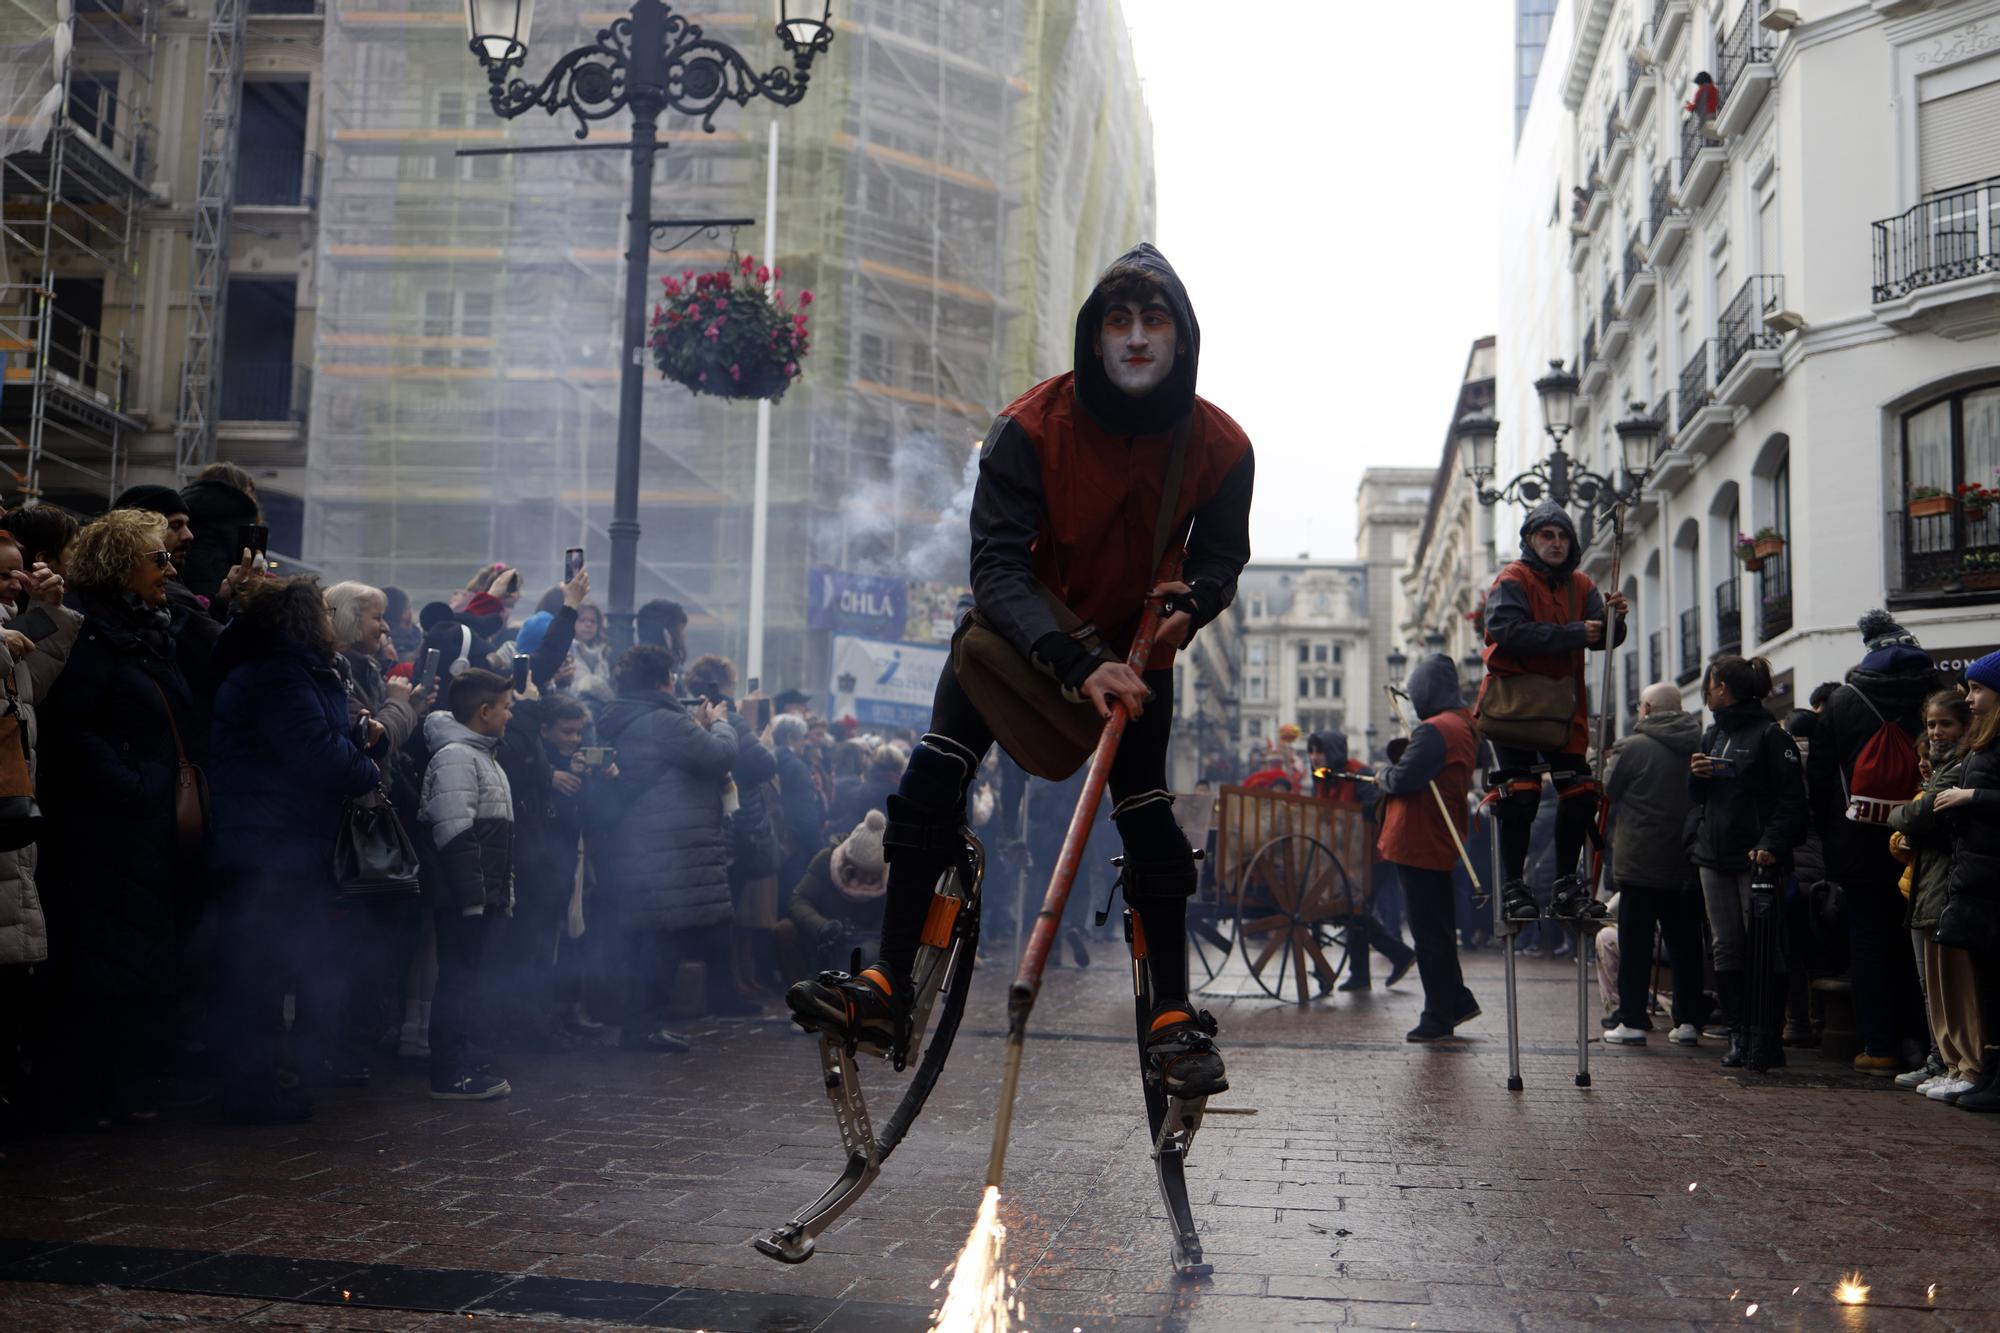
1413	828
1555	606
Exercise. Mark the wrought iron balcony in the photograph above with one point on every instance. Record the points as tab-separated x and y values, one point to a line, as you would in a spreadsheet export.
1695	386
1656	655
1634	261
1774	587
1662	204
1947	237
1691	142
1608	307
1948	553
1741	328
1589	352
1746	44
1728	616
1690	656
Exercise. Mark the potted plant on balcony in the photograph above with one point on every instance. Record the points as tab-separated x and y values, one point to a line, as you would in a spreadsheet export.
1928	502
1976	500
1768	542
724	333
1980	571
1747	552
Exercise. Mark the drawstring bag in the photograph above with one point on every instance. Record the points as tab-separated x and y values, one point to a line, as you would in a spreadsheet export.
372	853
1527	710
1041	728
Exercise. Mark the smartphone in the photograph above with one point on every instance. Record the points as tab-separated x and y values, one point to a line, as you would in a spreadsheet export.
572	563
1720	767
432	660
253	537
596	756
763	714
521	665
752	685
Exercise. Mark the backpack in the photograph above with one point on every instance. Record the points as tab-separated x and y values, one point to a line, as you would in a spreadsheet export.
1885	770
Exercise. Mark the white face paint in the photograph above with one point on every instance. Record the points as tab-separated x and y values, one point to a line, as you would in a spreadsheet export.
1136	344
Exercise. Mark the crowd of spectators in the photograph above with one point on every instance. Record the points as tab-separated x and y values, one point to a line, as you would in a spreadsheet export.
606	845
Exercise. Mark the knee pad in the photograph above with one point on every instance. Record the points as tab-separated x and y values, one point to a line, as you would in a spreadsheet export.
1518	795
1158	861
938	774
1577	795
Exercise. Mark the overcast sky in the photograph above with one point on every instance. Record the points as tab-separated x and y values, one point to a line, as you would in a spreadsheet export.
1329	186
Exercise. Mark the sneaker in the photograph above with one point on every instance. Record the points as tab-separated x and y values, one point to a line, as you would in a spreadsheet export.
472	1087
1950	1090
1180	1052
1625	1036
1687	1034
1880	1066
1917	1080
863	1010
1517	904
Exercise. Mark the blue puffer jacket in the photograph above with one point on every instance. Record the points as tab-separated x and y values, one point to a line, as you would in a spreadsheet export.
281	761
663	863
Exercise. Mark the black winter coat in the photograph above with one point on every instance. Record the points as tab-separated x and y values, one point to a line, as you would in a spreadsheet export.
804	810
753	843
1975	858
282	763
1857	855
663	862
1762	808
111	874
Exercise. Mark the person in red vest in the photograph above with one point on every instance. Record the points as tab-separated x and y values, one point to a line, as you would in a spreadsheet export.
1543	615
1441	754
1327	757
1707	98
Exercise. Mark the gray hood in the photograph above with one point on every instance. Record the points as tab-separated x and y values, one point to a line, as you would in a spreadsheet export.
1548	511
1332	746
1434	686
1678	731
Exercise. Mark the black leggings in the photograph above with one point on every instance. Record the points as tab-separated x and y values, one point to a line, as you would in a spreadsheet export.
1140	766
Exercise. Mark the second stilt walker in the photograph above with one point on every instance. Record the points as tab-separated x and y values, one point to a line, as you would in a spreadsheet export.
1084	481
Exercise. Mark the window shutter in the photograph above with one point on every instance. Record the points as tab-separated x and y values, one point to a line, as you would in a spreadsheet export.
1960	138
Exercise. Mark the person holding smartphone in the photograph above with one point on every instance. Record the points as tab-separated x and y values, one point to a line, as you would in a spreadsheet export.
1747	785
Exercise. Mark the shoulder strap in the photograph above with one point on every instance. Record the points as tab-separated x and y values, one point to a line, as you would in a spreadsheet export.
1170	493
1863	696
173	726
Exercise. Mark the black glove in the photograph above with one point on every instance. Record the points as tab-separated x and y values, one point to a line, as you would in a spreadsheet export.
1067	660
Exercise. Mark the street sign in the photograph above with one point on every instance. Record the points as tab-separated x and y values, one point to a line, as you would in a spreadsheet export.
884	684
863	604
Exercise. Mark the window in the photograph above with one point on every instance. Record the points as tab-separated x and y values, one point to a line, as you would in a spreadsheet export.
1336	687
1256	654
1319	687
1336	654
1305	655
1319	652
1257	613
1305	688
1256	726
1944	445
1253	688
1774	580
452	320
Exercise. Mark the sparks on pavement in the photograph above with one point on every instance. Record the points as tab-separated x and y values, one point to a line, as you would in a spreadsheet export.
1851	1290
980	1298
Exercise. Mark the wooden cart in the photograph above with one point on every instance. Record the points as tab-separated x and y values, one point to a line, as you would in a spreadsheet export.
1290	875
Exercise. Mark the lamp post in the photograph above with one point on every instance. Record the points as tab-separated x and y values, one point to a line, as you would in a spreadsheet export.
649	61
1558	476
1200	727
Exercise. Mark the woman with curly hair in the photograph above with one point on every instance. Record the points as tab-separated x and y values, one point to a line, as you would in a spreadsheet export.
284	756
121	876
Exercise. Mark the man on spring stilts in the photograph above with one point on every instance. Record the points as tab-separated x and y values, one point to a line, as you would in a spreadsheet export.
1542	616
1071	477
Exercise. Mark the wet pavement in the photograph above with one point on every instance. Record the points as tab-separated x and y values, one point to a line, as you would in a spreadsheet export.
1348	1179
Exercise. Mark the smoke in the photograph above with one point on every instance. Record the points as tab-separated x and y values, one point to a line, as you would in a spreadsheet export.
913	523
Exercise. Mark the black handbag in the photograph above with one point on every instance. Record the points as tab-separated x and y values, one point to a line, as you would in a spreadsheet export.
371	853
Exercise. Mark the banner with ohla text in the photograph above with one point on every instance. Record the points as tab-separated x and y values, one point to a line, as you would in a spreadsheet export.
884	684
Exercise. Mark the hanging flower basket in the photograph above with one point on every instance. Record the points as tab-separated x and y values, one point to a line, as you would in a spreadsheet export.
1767	543
1976	500
723	333
1746	549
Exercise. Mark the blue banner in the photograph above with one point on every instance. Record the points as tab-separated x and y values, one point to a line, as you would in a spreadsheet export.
863	604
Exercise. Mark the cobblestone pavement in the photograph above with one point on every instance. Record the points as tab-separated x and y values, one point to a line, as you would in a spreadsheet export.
1362	1182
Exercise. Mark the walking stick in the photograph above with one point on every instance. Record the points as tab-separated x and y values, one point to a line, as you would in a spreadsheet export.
1506	938
1028	978
1603	806
1396	697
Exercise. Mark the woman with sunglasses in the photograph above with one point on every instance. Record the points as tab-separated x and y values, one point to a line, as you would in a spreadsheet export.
120	872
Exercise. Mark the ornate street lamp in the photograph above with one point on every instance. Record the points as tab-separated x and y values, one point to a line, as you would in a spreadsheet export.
1557	390
649	61
1472	666
1639	441
1398	662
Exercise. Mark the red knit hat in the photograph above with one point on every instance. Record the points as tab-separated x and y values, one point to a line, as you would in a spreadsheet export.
485	604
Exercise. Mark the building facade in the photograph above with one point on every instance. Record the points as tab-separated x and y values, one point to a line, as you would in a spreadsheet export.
1391	503
1455	558
1801	286
1303	635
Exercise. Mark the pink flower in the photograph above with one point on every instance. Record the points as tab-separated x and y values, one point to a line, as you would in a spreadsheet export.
714	332
791	369
748	260
777	273
798	321
673	288
805	299
763	275
735	371
687	275
701	283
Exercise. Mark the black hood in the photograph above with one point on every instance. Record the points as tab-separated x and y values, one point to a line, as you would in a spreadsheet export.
1332	746
1548	511
1434	686
217	502
1160	409
245	639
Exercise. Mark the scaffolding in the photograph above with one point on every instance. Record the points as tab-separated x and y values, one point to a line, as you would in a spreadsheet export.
75	157
208	276
464	401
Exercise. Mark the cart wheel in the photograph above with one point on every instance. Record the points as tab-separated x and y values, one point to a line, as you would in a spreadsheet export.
1211	935
1286	896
